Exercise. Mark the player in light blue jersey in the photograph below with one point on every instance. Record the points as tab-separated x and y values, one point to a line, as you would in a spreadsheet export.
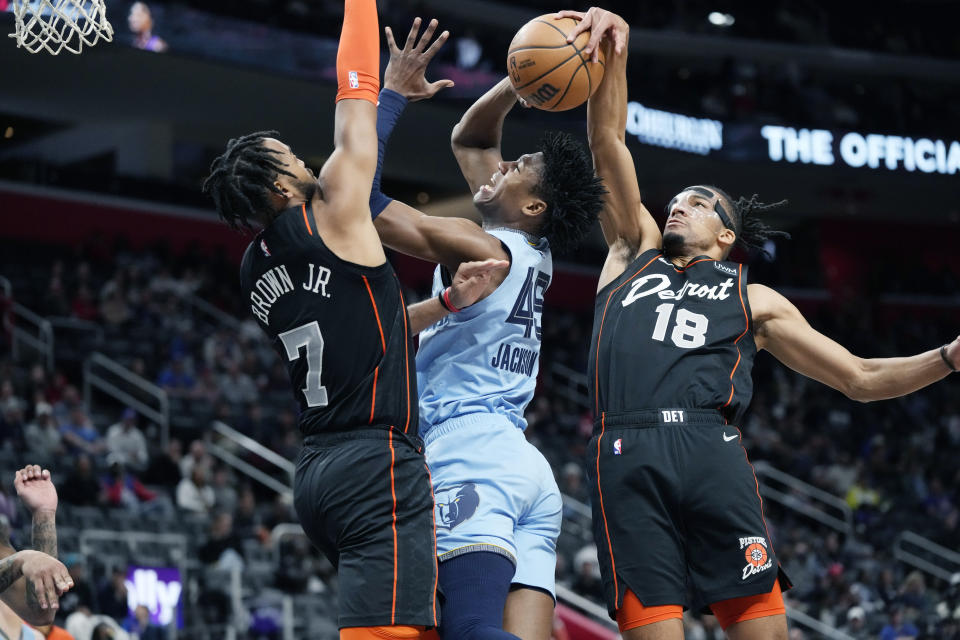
498	509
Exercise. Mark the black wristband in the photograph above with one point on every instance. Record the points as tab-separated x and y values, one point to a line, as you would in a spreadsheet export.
946	361
444	302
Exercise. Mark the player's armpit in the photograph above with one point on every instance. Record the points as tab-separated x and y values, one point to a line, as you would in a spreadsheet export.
780	328
447	241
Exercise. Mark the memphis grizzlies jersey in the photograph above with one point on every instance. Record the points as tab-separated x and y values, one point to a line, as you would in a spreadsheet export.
670	337
341	328
483	361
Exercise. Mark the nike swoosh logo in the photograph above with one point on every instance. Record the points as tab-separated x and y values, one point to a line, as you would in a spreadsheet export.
727	438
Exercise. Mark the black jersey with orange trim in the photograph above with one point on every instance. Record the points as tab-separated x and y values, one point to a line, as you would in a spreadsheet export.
341	328
670	337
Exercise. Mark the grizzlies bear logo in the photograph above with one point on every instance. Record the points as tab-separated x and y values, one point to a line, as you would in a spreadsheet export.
456	505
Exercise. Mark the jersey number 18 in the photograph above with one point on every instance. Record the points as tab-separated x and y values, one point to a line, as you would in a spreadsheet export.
689	331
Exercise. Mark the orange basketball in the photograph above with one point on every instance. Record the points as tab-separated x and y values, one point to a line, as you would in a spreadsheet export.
547	71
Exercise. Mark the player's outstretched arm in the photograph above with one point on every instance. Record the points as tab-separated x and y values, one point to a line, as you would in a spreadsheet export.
780	328
628	227
448	241
470	282
39	495
348	173
476	138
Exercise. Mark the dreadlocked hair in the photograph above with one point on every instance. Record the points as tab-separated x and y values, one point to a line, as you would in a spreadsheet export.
751	232
571	190
241	180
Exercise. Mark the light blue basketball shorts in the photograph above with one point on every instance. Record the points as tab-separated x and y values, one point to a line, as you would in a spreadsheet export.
495	491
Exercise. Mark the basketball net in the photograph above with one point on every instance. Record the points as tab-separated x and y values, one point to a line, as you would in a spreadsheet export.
56	25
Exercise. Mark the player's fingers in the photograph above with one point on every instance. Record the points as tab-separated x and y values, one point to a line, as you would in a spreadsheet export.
440	84
594	43
391	43
583	25
39	591
412	36
426	35
568	13
432	51
45	474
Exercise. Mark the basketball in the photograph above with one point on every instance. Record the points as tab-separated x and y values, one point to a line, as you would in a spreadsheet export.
547	71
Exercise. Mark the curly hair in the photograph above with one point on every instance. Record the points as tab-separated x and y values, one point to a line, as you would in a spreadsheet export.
751	232
241	180
571	190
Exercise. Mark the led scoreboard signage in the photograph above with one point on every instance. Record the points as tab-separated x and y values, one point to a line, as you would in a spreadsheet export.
791	145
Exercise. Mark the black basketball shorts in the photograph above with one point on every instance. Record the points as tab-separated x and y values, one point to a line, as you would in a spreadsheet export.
365	499
677	510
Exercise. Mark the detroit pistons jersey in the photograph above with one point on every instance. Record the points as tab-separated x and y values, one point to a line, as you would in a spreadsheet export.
483	361
673	337
341	328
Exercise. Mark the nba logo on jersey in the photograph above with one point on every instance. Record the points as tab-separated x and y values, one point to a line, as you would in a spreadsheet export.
618	446
354	80
263	247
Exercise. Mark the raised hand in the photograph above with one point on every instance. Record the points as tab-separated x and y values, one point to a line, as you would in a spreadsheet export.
473	279
35	488
406	71
47	578
600	23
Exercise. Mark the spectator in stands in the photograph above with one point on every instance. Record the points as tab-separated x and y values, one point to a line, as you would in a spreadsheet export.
898	628
55	302
586	580
140	21
82	597
236	386
8	507
112	594
223	548
126	442
143	627
42	435
856	625
124	490
295	565
225	495
194	494
83	307
114	309
68	401
247	522
164	468
11	427
80	435
81	487
197	455
175	378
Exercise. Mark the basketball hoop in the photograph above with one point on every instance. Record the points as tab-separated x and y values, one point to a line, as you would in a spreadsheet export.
56	25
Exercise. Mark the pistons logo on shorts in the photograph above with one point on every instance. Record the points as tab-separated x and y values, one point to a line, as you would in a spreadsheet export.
618	446
755	553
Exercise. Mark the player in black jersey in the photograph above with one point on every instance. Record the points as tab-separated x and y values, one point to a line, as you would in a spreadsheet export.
317	280
675	501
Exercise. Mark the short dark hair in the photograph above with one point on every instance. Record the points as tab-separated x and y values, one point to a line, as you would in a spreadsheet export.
751	232
241	180
570	188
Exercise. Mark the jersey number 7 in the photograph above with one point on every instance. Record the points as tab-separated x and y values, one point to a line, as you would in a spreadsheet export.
309	337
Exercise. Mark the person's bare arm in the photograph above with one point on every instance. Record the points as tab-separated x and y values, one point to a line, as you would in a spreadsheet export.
628	227
781	329
476	138
470	283
38	493
447	241
31	583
